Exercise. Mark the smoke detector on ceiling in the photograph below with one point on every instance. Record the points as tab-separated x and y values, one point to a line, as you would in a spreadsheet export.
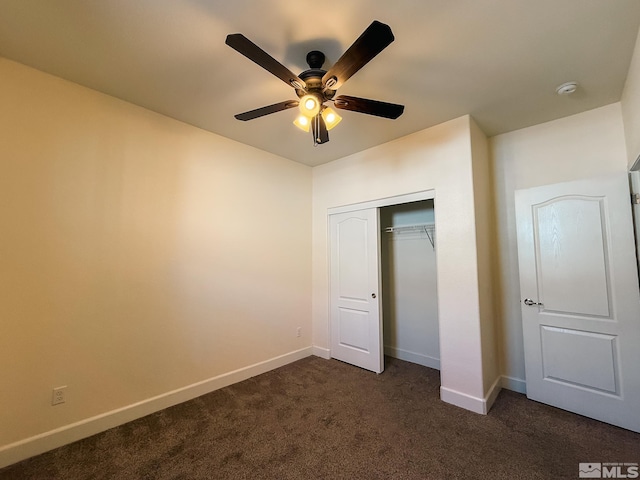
567	88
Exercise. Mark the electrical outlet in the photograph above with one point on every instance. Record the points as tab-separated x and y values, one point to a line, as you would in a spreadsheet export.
299	332
59	395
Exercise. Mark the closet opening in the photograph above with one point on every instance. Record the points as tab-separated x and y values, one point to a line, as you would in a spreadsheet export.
409	290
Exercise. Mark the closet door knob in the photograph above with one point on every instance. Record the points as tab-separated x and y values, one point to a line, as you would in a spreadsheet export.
373	295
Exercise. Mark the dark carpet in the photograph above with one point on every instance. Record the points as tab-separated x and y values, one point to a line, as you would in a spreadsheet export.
319	419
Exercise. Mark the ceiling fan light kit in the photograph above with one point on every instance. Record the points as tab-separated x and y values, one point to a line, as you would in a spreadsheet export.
315	86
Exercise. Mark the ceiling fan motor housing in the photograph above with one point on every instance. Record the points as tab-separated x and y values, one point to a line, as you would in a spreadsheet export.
313	78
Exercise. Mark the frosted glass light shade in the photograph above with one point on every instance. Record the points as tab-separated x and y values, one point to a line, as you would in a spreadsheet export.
302	122
331	118
309	106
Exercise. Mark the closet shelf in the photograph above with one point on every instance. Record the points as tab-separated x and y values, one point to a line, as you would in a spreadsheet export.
428	228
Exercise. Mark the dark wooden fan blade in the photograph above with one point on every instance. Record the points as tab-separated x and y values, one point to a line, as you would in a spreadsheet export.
373	40
319	130
370	107
246	47
261	112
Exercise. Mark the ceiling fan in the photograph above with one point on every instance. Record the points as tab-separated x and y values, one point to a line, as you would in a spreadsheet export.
316	86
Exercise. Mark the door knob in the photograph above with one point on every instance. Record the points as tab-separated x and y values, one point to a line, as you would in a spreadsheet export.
528	301
373	295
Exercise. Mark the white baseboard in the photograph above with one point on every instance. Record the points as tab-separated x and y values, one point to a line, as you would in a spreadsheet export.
462	400
321	352
419	358
494	390
515	384
29	447
469	402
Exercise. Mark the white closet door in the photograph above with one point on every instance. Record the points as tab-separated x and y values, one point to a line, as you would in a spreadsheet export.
580	301
356	326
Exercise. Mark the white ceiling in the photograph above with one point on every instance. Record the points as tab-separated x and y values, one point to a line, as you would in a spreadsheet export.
498	60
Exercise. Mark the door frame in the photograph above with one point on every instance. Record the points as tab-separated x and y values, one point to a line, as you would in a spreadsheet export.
377	204
384	202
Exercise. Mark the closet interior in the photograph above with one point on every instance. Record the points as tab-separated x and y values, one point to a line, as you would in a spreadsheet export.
409	294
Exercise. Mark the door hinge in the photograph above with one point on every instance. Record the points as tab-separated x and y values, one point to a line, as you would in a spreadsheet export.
635	198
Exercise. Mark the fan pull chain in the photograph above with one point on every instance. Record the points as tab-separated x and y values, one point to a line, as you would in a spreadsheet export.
316	137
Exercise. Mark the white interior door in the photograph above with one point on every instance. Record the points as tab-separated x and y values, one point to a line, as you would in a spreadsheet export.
356	326
580	298
635	189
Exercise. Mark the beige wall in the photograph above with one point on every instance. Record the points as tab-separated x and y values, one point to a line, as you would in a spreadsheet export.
631	107
586	145
438	158
485	244
139	254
